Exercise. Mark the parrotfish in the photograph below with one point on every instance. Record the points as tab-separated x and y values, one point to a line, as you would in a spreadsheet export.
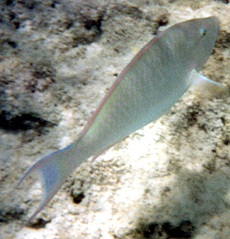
148	87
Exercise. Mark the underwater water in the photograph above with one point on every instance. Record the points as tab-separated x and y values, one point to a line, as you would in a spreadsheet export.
169	179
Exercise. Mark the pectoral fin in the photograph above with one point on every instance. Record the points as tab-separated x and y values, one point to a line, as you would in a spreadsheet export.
207	88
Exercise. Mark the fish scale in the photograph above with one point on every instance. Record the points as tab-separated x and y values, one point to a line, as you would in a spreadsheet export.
148	86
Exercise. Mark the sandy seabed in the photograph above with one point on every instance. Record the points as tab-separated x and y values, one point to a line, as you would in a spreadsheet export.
170	179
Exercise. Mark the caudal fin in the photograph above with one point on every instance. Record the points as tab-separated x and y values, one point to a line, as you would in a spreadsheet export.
54	169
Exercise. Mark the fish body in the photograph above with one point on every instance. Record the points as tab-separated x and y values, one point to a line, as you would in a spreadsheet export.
149	85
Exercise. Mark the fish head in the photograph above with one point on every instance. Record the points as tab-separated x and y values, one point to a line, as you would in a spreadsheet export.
200	35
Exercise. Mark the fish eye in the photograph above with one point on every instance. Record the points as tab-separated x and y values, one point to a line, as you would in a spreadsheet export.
203	31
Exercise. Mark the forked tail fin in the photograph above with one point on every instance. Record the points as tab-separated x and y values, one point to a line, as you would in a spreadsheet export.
54	169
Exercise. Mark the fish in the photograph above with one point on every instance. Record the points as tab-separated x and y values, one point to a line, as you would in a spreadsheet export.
156	78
